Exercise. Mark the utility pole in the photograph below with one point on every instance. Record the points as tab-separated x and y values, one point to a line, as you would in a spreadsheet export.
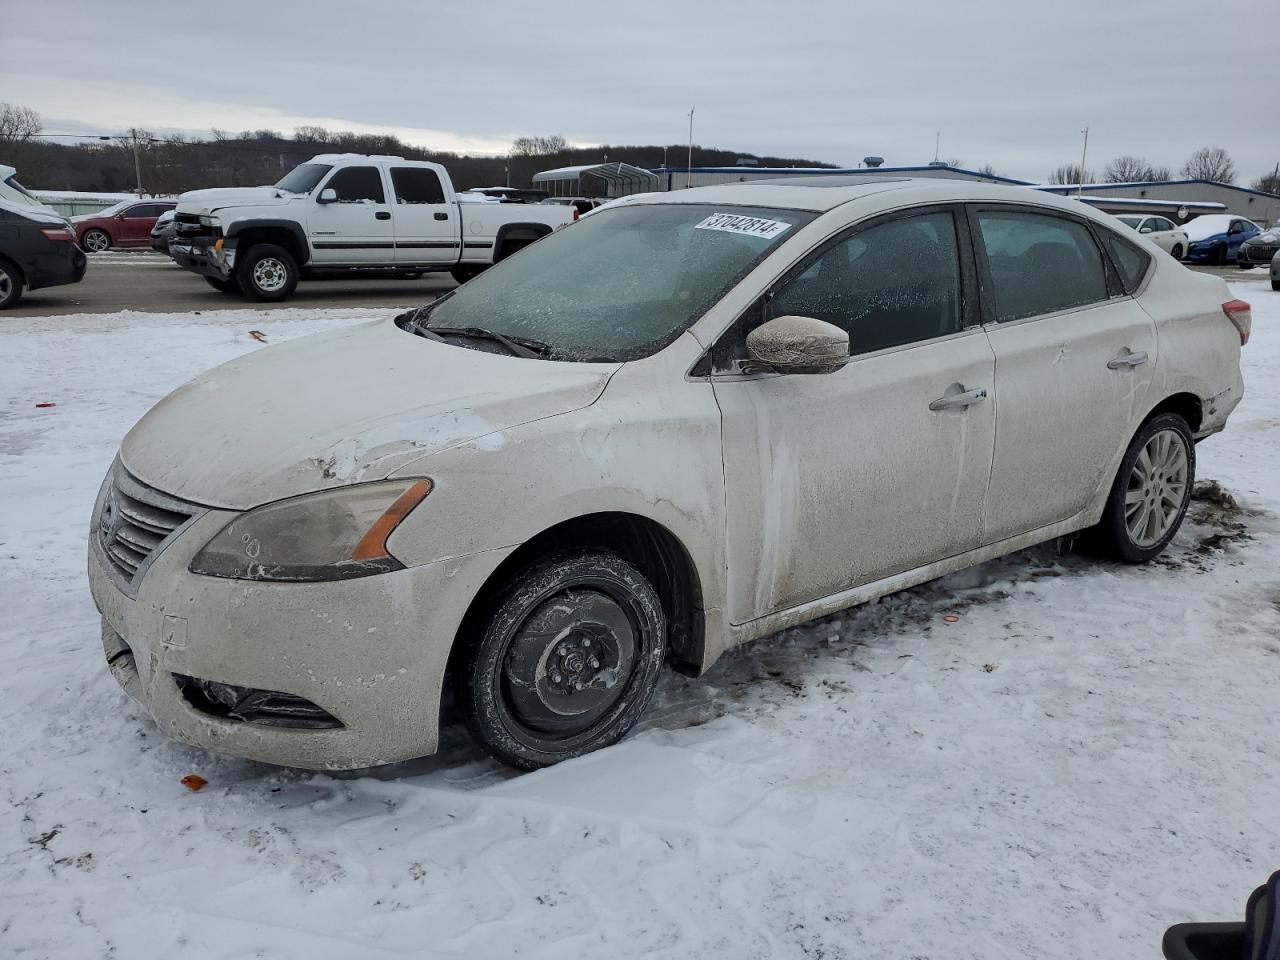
1083	153
137	162
688	170
937	144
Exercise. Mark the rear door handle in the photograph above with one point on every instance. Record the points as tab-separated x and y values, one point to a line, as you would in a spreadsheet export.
383	215
958	400
1126	359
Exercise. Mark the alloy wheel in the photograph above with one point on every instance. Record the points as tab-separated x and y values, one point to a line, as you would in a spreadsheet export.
6	285
270	275
1157	487
95	241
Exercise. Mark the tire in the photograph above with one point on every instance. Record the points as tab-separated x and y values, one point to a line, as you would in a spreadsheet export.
1120	534
1219	256
10	284
465	272
1176	252
230	285
267	272
1244	264
564	662
1275	284
96	241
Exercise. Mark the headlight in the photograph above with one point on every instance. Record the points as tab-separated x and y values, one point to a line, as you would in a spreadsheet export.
206	220
334	535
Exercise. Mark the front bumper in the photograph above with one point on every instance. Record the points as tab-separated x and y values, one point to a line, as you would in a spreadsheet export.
371	652
1257	254
202	255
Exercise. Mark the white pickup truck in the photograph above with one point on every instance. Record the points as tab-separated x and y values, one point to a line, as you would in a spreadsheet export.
348	212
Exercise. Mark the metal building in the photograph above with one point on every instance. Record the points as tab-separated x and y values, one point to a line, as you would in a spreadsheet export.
597	180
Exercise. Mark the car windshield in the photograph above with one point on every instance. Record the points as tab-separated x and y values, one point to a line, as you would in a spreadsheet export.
13	191
303	178
621	284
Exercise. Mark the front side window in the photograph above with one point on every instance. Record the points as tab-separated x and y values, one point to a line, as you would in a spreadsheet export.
142	211
416	185
888	284
622	283
303	178
1039	264
357	185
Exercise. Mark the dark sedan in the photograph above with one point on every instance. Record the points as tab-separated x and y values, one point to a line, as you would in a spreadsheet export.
36	250
1260	249
165	230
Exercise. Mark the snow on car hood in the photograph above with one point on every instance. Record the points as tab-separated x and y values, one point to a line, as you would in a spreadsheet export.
218	198
1202	228
337	408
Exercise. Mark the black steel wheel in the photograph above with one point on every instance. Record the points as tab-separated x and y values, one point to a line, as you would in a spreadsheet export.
565	662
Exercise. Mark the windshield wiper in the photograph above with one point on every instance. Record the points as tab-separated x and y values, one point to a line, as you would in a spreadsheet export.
516	346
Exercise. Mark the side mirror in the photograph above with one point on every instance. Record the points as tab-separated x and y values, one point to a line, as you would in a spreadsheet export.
798	345
327	195
118	216
1146	230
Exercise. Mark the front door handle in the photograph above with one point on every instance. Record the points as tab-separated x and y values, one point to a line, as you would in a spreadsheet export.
442	216
382	215
954	401
1126	358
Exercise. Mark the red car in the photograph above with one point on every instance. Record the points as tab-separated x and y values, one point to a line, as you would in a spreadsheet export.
127	224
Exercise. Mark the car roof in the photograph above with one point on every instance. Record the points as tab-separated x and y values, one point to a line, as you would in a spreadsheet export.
822	193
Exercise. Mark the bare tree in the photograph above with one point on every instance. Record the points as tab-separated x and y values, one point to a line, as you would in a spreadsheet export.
1269	182
988	170
18	124
538	146
311	134
1210	163
1131	169
1070	173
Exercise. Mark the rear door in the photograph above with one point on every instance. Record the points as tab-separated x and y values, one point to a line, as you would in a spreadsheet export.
356	228
426	222
1074	357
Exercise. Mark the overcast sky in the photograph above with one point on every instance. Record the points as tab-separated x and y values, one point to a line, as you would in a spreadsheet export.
1007	82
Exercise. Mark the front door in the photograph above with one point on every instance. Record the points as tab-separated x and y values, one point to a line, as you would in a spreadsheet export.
1074	359
356	227
427	230
837	480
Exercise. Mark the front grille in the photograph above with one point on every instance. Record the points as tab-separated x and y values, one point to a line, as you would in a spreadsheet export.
135	521
1256	253
249	705
186	218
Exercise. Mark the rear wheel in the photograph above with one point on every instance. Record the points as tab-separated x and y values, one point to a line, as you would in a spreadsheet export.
95	241
10	284
1176	252
1219	255
1275	284
1151	491
267	272
565	661
228	285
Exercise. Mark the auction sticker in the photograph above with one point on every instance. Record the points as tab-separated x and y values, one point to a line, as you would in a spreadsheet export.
747	226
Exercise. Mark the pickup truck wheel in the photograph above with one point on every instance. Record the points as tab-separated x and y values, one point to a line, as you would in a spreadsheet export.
225	286
267	272
465	272
96	241
565	660
10	284
1151	492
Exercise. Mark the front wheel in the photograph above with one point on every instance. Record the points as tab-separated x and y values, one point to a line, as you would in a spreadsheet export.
464	272
267	272
228	285
1151	491
10	284
1244	264
96	241
565	661
1176	252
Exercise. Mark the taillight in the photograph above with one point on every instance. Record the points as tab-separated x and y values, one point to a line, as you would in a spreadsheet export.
576	213
1241	316
58	233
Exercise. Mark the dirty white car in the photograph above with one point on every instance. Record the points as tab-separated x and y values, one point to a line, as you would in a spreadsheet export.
685	422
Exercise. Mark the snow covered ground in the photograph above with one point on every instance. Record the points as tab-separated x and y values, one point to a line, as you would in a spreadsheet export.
1088	754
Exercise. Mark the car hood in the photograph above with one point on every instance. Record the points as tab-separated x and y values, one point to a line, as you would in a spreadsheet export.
219	198
338	408
1267	239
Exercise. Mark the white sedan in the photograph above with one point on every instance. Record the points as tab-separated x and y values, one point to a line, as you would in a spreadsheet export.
685	422
1164	233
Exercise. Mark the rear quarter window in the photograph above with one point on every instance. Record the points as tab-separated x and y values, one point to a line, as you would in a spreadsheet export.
1130	262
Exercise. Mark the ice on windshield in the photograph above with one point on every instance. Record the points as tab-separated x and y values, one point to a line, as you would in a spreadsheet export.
303	178
622	283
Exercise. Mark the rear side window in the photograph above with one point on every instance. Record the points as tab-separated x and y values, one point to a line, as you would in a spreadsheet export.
358	184
1131	263
890	284
1040	264
143	210
416	185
